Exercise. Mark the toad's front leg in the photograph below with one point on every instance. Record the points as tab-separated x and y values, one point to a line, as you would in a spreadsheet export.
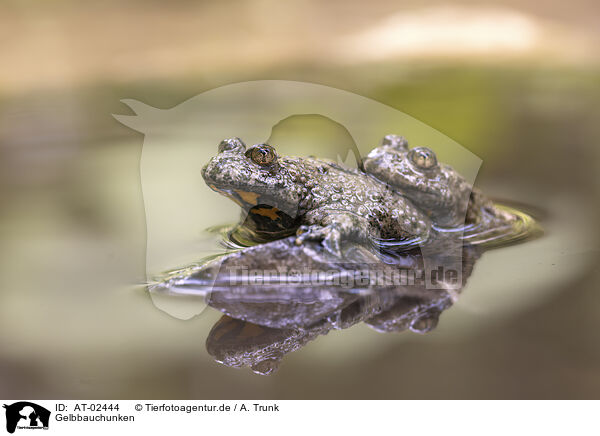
333	227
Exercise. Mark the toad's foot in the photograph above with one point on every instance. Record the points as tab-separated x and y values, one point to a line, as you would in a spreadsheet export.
333	227
330	237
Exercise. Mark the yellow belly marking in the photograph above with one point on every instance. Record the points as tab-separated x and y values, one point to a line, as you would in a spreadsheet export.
270	213
248	197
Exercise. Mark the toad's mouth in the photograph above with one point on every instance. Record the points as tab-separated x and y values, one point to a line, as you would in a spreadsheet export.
244	199
249	201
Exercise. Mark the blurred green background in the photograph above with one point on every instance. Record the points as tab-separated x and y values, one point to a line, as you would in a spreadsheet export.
517	84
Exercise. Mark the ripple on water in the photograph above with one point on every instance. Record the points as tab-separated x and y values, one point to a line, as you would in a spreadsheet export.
522	229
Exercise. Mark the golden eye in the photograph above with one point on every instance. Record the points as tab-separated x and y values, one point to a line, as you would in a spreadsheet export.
423	158
231	144
262	154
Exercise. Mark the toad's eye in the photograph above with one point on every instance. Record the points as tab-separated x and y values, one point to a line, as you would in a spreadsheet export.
423	158
262	154
231	144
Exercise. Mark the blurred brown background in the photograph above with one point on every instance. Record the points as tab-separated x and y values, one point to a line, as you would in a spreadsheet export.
516	83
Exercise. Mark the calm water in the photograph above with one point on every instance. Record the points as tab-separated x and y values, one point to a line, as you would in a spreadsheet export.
74	243
392	287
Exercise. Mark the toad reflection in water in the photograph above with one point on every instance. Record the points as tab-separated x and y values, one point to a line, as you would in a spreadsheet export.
365	230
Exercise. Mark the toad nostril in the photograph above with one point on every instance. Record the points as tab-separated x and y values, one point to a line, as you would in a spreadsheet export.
231	144
398	142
